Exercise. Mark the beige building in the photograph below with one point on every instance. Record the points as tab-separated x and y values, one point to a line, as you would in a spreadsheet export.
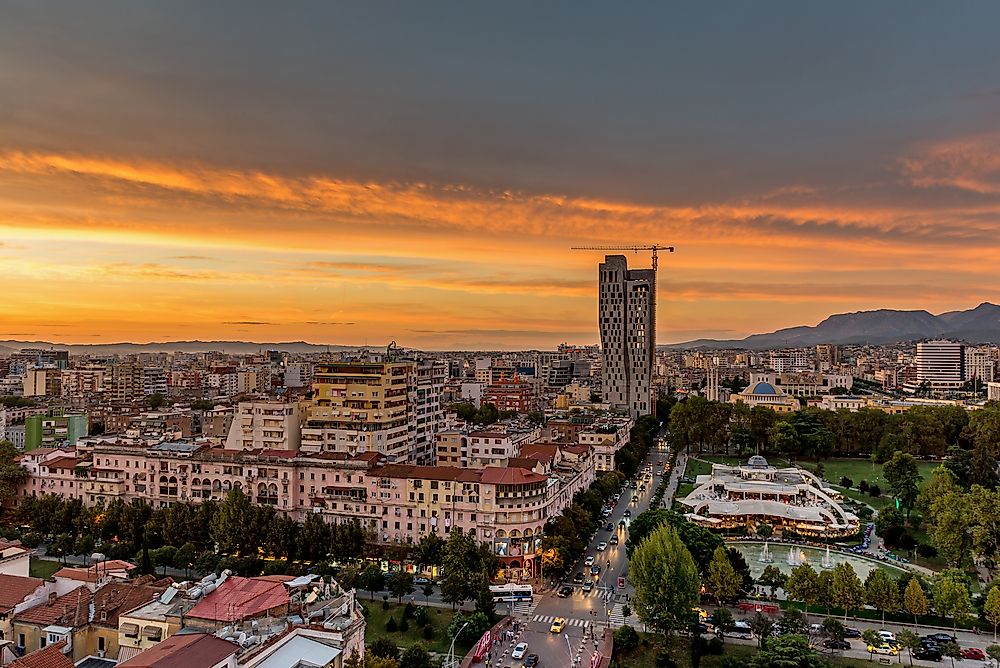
266	425
767	395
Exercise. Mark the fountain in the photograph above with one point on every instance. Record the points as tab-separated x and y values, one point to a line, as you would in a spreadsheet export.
794	557
765	555
827	561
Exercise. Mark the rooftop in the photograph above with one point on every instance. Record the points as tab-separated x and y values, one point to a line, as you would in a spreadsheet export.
238	598
183	650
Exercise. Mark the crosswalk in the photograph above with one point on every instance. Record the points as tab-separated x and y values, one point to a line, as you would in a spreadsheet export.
548	619
616	617
526	608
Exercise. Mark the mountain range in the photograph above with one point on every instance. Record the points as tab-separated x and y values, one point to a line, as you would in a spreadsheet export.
884	326
235	347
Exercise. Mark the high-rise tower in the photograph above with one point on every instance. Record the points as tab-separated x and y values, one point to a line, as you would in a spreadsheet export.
627	320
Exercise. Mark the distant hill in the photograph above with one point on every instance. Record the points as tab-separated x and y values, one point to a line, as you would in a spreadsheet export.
236	347
978	325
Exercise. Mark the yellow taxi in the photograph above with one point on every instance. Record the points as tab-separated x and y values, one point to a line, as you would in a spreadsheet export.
884	648
558	625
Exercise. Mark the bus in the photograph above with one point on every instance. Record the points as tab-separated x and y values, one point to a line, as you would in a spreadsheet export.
511	592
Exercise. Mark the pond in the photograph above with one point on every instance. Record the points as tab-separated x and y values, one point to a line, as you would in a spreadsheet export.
786	557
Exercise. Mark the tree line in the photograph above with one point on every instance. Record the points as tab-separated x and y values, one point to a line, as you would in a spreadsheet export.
922	431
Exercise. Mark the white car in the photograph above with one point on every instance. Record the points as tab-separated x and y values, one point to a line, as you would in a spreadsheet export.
887	636
519	650
589	561
601	547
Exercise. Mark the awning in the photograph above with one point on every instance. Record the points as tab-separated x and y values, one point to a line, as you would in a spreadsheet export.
152	632
125	653
129	629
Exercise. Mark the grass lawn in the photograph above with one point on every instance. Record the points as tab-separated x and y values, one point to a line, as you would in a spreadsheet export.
861	469
440	618
43	568
645	655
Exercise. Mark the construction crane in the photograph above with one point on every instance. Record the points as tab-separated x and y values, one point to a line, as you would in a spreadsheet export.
634	248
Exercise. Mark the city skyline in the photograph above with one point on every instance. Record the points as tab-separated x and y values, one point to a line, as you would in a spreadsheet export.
345	184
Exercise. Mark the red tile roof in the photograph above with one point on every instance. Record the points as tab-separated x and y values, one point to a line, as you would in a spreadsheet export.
510	476
62	463
239	598
74	608
185	650
50	657
15	588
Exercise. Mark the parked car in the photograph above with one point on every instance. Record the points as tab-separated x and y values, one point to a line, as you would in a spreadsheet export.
530	661
940	638
558	625
973	653
883	648
421	581
610	527
565	591
519	650
851	632
833	643
740	630
928	653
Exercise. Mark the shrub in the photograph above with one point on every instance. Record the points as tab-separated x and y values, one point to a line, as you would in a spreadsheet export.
428	633
408	610
384	648
714	646
421	617
626	638
846	482
863	486
874	491
404	625
385	605
390	625
927	551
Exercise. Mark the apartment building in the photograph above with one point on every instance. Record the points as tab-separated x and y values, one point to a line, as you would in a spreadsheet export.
606	437
83	381
512	395
266	425
428	410
360	407
42	383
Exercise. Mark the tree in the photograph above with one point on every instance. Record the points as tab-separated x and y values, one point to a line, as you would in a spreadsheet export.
400	584
991	609
993	651
230	527
889	525
948	521
824	589
762	627
429	550
185	556
801	584
772	578
722	580
951	595
872	639
415	657
626	638
909	640
665	579
985	521
952	651
834	628
765	530
722	620
12	474
915	600
848	592
786	650
371	578
903	477
384	647
164	557
155	401
881	592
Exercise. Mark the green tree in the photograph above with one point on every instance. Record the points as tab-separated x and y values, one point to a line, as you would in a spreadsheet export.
415	657
834	628
772	578
765	530
722	580
881	592
993	651
164	557
991	609
429	550
626	639
666	581
903	477
371	578
786	650
12	474
951	595
915	600
848	592
185	556
950	528
801	585
401	584
383	647
233	523
952	651
824	589
872	639
889	524
985	520
722	620
909	640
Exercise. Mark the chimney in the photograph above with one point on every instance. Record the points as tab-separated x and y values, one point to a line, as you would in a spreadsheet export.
52	597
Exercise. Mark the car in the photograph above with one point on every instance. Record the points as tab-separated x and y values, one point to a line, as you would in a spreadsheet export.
883	648
421	581
530	661
887	636
595	570
973	653
610	527
613	541
622	523
627	513
833	643
588	586
558	625
851	632
940	638
602	546
519	650
740	630
589	561
928	653
565	591
815	628
578	578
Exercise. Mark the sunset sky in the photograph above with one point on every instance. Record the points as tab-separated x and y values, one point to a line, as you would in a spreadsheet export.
357	173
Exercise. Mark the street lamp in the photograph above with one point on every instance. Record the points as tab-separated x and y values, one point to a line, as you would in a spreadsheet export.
450	661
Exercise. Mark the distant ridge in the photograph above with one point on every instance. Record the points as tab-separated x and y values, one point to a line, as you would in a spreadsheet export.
238	347
978	325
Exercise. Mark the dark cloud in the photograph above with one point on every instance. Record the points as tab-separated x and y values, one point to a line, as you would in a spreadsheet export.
247	322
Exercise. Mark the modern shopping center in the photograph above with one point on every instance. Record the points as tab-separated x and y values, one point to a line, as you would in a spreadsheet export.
790	499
